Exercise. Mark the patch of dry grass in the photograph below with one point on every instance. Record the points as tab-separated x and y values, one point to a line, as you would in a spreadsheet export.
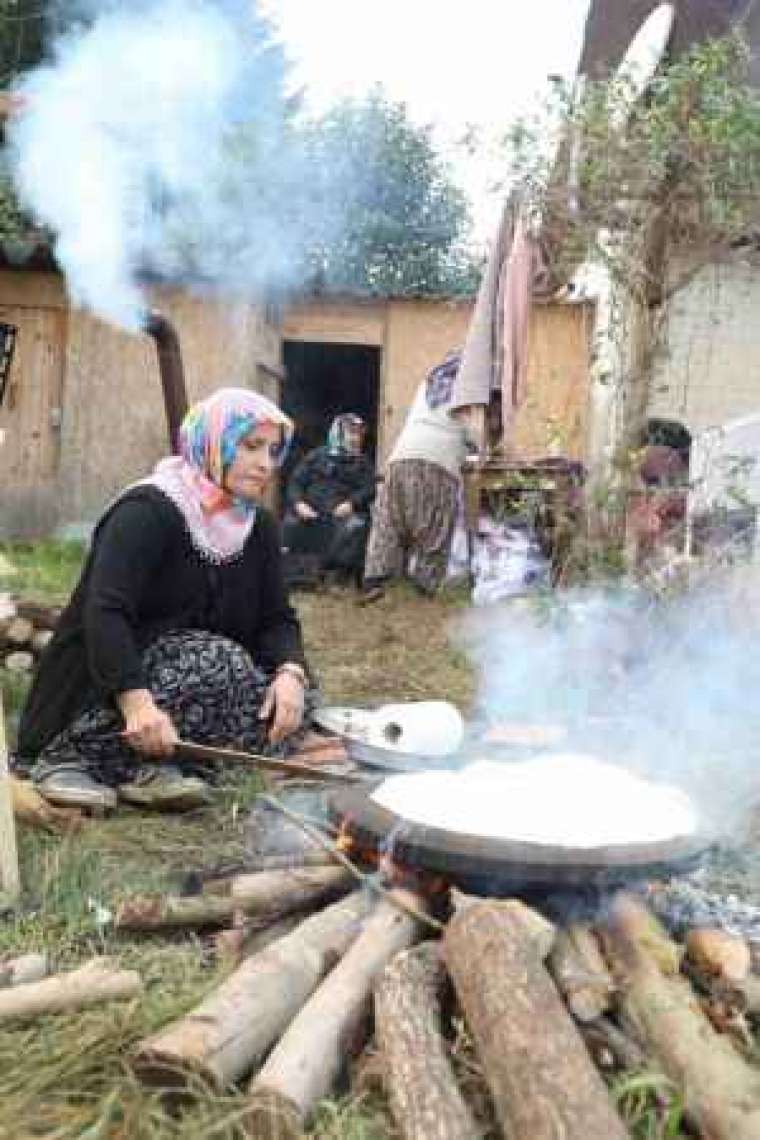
396	649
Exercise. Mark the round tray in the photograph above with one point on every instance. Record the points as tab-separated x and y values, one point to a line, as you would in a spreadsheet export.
335	719
500	866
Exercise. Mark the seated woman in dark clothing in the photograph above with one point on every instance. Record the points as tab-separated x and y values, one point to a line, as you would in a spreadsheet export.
329	497
180	626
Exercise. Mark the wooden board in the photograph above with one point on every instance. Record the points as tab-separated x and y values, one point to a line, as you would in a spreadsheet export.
30	416
10	881
553	419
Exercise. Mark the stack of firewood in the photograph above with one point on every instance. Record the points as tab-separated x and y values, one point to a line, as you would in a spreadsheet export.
317	958
26	629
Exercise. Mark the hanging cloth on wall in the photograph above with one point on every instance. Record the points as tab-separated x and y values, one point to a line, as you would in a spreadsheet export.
495	355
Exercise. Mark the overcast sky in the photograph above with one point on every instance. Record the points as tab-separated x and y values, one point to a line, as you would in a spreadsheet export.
480	62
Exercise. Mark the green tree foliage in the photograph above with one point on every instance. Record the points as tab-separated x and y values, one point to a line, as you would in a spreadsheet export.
679	169
22	31
403	221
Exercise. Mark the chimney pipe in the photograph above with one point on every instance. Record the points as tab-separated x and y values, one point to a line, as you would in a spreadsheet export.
172	372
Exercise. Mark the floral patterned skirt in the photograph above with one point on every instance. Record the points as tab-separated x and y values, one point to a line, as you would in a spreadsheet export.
207	684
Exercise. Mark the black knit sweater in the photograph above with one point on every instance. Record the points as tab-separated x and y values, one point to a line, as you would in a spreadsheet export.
144	578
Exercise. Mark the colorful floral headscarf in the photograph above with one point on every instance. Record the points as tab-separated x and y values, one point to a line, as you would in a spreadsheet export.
338	442
219	524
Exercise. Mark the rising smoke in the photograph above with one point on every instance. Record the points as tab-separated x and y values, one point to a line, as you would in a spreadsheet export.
159	140
668	690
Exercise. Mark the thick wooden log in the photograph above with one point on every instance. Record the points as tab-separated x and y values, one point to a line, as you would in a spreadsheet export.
719	954
232	946
95	982
578	967
538	929
425	1100
304	1066
299	885
39	613
232	1029
270	893
18	633
41	638
8	610
10	877
748	994
26	968
721	1091
542	1080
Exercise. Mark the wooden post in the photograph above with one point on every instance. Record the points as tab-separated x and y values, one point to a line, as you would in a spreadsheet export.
10	879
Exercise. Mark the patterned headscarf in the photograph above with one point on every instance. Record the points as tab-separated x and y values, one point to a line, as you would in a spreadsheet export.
218	523
338	442
440	380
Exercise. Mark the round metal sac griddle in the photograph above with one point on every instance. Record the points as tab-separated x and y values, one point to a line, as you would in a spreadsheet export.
497	866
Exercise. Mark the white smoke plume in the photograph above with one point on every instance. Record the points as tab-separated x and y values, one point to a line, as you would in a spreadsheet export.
667	689
157	140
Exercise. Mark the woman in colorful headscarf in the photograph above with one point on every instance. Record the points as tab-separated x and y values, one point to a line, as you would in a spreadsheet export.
329	497
180	626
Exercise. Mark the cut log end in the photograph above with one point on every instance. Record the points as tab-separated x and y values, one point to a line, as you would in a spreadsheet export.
273	1117
177	1080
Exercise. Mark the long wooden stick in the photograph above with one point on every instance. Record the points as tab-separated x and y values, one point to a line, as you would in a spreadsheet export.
10	878
257	760
97	981
267	893
399	899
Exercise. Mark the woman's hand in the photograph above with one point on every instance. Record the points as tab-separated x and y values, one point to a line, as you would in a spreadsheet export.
284	703
146	728
304	511
343	510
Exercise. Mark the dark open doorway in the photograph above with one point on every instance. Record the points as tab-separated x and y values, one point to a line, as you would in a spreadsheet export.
323	380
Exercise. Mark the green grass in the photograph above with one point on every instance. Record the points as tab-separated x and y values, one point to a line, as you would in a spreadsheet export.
651	1106
45	571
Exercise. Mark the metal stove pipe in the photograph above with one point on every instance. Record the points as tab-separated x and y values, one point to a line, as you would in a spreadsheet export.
172	372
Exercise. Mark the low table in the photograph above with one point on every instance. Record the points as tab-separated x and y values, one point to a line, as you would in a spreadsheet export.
546	492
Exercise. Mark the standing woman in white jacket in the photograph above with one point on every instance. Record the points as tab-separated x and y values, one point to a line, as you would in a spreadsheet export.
416	508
